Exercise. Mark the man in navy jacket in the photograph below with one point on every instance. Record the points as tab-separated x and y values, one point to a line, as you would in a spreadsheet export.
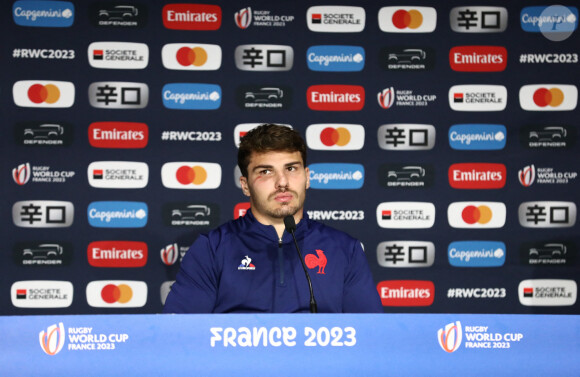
251	265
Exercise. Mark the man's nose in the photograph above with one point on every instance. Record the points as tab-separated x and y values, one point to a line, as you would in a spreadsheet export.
281	180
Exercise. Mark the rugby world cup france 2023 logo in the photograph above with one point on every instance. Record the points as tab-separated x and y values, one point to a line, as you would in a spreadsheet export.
52	340
450	337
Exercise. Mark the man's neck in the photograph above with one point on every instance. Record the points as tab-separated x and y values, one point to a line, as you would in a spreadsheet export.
278	223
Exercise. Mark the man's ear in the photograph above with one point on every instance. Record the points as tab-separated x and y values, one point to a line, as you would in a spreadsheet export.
307	178
244	184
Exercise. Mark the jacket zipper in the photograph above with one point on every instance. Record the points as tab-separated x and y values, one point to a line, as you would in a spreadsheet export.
281	261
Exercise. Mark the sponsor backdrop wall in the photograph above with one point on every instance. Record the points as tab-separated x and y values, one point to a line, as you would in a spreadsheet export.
443	136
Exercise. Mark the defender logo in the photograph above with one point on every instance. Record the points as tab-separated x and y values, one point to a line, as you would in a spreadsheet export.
266	97
406	176
407	58
106	14
549	137
43	133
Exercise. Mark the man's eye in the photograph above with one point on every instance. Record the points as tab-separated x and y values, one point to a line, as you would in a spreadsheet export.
292	168
265	171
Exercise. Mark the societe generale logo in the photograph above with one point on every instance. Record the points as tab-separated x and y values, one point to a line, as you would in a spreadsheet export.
42	294
450	336
42	93
476	215
192	17
478	97
191	56
407	19
112	135
477	176
191	175
478	58
118	174
117	254
406	292
52	339
548	97
335	97
118	55
336	19
116	294
325	136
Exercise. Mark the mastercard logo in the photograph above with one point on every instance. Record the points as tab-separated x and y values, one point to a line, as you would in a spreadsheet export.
479	214
411	19
116	293
200	57
112	293
191	175
38	93
29	93
335	136
476	214
187	175
196	56
548	97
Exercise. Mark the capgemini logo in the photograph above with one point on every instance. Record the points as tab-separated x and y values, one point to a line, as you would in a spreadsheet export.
527	175
52	340
386	98
450	337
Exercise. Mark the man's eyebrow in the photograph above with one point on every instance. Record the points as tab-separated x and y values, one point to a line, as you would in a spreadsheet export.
265	166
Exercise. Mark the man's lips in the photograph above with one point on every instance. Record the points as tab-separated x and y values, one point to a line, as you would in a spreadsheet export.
283	197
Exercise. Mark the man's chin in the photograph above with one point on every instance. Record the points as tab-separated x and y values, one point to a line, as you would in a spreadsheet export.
280	213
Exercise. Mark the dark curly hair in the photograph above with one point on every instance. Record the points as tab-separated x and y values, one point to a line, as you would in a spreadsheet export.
267	138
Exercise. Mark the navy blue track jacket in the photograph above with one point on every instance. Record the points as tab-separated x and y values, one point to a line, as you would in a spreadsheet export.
242	267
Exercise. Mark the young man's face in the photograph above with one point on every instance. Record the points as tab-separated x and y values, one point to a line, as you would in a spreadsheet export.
276	185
